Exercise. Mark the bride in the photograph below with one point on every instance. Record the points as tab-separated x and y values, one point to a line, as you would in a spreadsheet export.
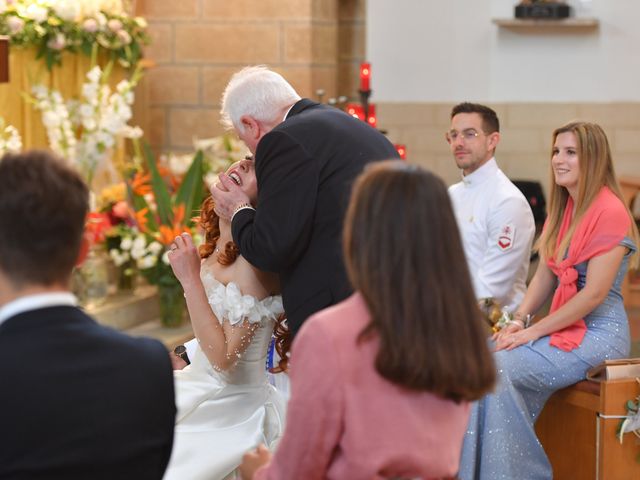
225	404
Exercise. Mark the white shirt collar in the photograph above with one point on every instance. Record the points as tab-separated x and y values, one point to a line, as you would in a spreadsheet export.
287	112
483	173
35	302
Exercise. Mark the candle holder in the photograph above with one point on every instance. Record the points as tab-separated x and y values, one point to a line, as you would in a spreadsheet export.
364	101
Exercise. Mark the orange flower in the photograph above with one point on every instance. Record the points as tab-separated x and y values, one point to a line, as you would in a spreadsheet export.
141	218
167	234
141	184
178	215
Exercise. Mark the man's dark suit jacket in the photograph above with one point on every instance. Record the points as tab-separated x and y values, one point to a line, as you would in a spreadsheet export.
81	401
305	168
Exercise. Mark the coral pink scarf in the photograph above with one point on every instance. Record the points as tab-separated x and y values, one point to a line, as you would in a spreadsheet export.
603	226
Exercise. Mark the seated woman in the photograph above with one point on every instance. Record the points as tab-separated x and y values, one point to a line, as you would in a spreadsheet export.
380	383
225	404
584	250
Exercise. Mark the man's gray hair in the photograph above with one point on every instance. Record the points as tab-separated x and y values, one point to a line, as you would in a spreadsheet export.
258	92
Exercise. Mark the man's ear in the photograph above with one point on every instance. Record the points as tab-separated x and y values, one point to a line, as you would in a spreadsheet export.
251	126
494	139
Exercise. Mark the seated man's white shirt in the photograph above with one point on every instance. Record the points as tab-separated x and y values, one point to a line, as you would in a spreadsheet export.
497	228
35	302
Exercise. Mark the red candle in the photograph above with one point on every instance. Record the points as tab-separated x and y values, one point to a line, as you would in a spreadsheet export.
365	76
402	151
371	118
355	110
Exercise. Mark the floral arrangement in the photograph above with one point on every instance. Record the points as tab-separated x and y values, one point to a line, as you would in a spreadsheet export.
85	131
10	140
163	208
56	26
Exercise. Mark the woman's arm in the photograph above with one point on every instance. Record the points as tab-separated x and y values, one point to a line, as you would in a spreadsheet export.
539	289
601	272
220	344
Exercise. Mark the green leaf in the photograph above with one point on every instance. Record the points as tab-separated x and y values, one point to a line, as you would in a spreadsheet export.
160	191
190	191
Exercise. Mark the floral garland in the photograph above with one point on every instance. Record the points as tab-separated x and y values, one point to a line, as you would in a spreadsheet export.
56	26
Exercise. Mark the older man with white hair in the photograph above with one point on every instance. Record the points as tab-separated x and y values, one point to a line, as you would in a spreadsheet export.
306	158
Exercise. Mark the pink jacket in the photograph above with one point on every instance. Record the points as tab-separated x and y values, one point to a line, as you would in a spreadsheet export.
345	421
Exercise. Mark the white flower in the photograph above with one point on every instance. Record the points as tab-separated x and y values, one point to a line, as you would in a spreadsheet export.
101	18
155	247
165	258
139	243
131	132
141	22
147	262
94	75
126	243
179	164
68	10
50	119
36	13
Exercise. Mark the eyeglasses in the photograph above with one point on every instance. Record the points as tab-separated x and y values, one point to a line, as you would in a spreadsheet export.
467	135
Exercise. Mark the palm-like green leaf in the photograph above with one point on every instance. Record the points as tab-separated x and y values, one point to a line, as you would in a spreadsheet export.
190	191
160	191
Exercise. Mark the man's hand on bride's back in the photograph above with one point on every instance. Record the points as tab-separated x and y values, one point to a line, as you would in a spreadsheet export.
185	260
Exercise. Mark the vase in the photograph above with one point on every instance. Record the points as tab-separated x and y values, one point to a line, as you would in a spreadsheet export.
172	305
91	279
127	276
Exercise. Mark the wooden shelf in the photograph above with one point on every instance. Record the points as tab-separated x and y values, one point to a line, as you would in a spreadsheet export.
566	23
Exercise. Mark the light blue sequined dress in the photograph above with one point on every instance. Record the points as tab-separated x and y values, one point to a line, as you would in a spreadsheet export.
500	442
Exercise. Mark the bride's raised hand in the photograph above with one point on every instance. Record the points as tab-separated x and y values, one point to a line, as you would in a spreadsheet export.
185	260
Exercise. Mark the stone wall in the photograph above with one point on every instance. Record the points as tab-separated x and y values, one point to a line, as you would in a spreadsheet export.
198	44
525	145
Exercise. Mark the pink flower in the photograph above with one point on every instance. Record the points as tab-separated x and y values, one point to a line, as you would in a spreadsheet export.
114	25
120	209
90	25
16	24
124	37
58	42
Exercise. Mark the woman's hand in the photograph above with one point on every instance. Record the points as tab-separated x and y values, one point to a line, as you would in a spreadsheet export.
509	341
512	327
252	461
185	260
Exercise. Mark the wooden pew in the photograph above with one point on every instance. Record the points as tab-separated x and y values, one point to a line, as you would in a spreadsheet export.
580	443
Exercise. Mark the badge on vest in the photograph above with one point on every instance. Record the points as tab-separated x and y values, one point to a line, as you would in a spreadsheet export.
505	240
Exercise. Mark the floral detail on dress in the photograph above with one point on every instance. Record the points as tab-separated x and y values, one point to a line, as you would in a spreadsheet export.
228	303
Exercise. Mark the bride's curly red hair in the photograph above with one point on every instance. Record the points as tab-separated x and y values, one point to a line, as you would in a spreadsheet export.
209	222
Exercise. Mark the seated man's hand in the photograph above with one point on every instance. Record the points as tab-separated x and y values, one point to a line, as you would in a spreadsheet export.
176	362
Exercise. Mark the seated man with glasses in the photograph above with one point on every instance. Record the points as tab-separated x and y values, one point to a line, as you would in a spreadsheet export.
495	220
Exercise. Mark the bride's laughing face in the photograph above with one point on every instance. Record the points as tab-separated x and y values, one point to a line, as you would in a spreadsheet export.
243	174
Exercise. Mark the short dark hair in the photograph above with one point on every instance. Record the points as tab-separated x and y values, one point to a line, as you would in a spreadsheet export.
43	206
490	122
404	255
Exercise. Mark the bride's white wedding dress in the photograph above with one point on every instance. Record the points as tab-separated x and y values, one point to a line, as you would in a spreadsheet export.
222	415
